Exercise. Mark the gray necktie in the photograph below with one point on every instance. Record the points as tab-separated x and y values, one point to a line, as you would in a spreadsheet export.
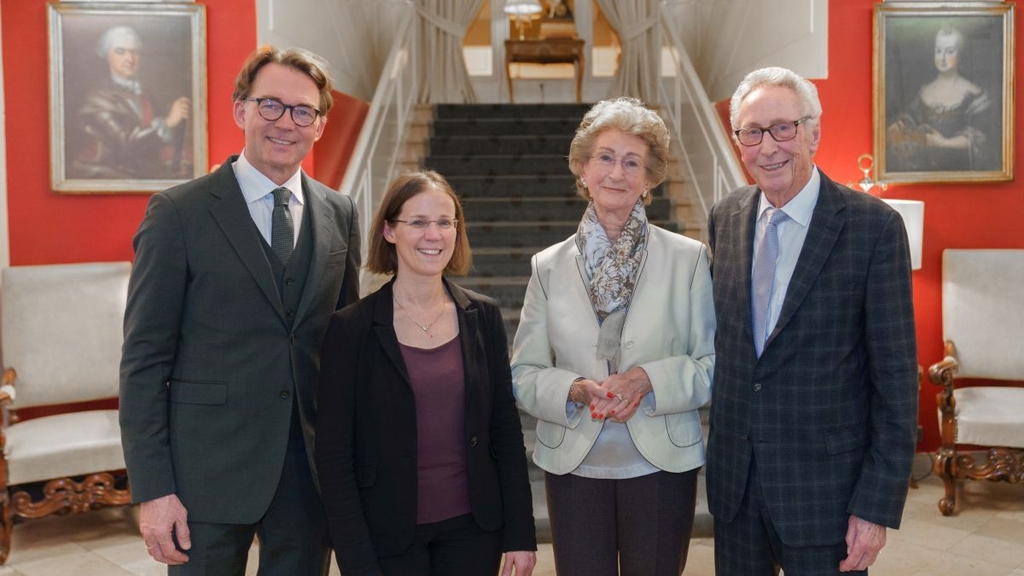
282	233
763	276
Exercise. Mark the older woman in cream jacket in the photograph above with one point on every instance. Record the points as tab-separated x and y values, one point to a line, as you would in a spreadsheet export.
614	355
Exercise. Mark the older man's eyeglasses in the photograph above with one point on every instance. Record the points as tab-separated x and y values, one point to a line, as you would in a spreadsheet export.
781	132
631	165
272	109
420	224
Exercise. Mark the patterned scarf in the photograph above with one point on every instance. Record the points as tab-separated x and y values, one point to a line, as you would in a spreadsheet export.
612	268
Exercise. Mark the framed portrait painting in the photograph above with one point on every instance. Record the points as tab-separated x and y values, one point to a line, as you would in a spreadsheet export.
944	86
127	95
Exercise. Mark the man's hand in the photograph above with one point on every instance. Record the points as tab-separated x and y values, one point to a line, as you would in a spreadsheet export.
523	561
864	540
161	520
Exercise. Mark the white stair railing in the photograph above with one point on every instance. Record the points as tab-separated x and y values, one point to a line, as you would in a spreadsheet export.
707	154
374	161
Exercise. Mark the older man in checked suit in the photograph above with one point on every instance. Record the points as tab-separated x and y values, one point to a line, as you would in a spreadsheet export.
814	408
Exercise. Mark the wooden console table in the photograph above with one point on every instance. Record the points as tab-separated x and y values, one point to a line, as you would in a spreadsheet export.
547	51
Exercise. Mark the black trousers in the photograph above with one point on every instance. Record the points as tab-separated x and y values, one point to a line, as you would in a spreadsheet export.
750	546
292	534
634	527
453	547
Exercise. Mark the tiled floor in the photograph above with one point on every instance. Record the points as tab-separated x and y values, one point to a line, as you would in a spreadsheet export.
985	539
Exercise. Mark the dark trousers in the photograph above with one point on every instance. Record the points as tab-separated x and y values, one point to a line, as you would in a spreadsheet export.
634	527
750	546
292	534
453	547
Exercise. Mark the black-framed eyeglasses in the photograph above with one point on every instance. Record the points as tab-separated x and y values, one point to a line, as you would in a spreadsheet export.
272	109
420	224
781	132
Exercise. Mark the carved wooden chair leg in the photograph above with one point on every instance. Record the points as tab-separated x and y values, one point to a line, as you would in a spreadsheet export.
945	468
6	521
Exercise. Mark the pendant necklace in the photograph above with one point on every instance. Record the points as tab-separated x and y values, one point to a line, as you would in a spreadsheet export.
424	327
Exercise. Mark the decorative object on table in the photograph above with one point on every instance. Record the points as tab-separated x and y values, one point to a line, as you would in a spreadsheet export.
558	21
521	11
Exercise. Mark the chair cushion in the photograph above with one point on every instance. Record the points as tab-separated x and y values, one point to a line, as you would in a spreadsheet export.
990	416
64	445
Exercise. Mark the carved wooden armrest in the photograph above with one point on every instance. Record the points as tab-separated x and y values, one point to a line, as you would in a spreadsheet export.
7	394
943	373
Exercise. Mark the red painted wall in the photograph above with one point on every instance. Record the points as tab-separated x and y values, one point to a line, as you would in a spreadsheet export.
956	215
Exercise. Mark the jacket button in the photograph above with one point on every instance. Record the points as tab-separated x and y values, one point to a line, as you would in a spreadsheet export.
285	394
472	442
289	281
757	386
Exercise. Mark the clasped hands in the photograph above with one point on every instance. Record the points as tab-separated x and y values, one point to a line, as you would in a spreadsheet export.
618	397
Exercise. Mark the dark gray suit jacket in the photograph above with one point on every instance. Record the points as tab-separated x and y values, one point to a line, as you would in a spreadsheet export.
211	359
828	414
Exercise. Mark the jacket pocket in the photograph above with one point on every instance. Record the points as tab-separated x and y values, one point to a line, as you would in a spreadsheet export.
194	392
684	429
846	440
550	434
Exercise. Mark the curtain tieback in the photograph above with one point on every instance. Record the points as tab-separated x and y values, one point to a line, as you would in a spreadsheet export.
628	33
443	24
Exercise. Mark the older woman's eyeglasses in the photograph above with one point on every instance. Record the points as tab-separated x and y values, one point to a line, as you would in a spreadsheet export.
631	165
419	224
272	109
781	132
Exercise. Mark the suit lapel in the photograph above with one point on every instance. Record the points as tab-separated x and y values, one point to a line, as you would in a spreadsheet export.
232	215
384	327
469	331
827	222
744	219
321	217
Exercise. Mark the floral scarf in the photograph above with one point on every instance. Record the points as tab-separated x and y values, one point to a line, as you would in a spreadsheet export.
612	268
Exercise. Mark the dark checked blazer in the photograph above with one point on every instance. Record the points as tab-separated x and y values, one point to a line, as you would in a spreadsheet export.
828	414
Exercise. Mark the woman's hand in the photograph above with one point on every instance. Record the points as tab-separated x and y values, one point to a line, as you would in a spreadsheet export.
523	561
626	391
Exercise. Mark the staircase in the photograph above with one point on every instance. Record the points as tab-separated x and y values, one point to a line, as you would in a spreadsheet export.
509	165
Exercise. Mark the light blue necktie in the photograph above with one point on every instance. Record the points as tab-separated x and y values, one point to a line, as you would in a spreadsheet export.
282	233
763	276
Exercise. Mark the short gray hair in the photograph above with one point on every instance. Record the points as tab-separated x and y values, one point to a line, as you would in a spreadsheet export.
775	76
117	36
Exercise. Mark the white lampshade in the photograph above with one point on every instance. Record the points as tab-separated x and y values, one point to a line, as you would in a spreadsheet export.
522	7
912	212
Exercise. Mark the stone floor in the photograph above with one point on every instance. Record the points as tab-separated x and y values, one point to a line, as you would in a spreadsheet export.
986	538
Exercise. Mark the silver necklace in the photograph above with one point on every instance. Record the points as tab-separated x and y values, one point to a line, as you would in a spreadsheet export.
424	327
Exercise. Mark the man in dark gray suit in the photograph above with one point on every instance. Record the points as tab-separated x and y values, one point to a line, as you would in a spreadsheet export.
236	275
814	405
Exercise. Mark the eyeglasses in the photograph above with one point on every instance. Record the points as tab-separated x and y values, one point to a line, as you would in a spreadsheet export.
781	132
630	164
272	109
442	224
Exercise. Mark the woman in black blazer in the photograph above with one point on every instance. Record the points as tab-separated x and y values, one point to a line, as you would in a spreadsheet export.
419	449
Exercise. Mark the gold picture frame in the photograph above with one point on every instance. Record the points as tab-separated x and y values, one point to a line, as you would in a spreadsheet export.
127	95
944	91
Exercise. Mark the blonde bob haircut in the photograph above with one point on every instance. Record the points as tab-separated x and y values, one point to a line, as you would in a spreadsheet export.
383	257
629	116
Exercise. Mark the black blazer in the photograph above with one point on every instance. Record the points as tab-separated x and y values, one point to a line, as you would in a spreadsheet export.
829	410
366	432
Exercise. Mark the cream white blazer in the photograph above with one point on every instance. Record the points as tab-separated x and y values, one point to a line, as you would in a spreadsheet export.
669	331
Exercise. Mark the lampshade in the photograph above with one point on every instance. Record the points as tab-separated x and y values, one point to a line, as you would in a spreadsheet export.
912	212
522	7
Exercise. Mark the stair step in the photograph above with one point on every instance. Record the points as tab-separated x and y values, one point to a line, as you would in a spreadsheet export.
500	144
573	112
496	164
537	235
532	185
543	209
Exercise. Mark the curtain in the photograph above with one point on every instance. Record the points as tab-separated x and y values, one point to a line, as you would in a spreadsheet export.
636	22
443	74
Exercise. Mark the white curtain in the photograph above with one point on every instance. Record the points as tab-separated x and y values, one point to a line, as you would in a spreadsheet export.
443	25
636	22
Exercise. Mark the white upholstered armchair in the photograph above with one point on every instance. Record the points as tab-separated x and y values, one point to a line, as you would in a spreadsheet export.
61	345
983	329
